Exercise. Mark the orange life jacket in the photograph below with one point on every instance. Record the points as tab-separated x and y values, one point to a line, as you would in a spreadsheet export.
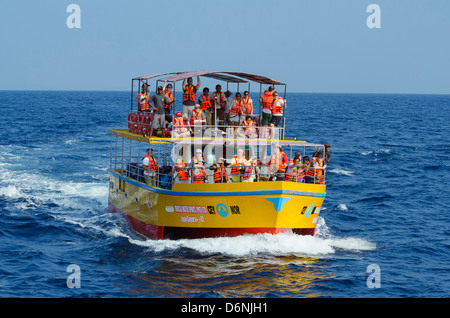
277	109
279	162
248	172
152	164
268	99
237	108
179	124
316	173
295	174
195	117
143	106
247	105
189	93
182	173
236	166
169	95
222	98
206	104
200	177
220	173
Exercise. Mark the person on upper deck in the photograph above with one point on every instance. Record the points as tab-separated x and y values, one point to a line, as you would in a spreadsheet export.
266	102
248	104
247	128
159	115
218	103
236	111
197	121
143	100
226	111
278	107
278	162
205	105
167	107
189	96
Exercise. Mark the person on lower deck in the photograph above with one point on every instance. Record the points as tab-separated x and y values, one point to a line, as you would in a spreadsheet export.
315	172
180	171
220	173
149	167
238	165
198	171
278	162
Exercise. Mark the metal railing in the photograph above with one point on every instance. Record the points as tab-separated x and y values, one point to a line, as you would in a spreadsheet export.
141	123
165	177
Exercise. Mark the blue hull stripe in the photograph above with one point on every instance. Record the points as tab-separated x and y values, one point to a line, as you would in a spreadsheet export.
215	194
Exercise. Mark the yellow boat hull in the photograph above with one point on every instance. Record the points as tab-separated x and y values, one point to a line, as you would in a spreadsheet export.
213	210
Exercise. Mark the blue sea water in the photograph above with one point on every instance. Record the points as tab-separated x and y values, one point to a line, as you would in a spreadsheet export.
387	207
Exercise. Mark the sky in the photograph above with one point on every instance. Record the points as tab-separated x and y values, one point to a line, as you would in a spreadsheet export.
315	46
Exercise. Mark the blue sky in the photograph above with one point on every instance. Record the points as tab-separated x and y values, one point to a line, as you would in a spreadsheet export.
313	46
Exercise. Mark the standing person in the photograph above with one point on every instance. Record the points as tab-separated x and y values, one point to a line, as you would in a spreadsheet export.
171	100
278	107
189	96
236	111
248	104
218	103
205	105
228	103
319	153
159	115
279	162
143	103
149	167
197	121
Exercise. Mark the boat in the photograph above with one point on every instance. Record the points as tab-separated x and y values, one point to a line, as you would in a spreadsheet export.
159	205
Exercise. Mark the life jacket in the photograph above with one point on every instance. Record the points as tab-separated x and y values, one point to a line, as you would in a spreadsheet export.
206	104
200	177
277	109
143	104
319	173
220	173
195	117
247	172
295	174
179	124
169	96
222	98
182	173
237	166
279	162
189	94
247	105
268	99
238	108
152	164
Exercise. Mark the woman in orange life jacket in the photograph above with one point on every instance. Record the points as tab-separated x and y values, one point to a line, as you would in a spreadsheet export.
295	172
278	107
278	161
247	128
179	127
149	167
170	101
180	171
143	102
197	121
189	96
220	173
198	171
315	172
248	104
205	105
237	165
236	111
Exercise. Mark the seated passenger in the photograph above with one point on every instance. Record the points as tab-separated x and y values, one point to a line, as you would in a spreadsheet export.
180	129
237	165
198	171
251	170
278	161
247	128
180	171
197	121
315	172
295	172
220	173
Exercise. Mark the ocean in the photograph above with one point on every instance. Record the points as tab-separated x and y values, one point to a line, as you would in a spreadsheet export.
383	231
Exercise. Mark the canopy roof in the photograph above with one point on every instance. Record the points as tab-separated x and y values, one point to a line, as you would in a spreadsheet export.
233	77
